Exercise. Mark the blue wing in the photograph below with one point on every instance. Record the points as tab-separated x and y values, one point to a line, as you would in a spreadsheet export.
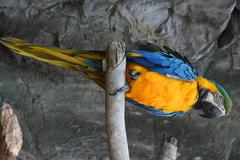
170	64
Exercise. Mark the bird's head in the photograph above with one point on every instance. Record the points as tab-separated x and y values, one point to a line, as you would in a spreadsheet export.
214	104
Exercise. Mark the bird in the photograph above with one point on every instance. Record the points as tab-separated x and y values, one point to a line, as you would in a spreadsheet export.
158	79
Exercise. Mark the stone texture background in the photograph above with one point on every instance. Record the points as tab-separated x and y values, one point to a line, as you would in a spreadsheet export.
62	114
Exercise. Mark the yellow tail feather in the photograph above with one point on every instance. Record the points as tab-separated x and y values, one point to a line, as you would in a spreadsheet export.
60	57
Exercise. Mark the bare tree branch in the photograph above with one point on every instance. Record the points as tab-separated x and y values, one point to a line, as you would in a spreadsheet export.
115	101
169	149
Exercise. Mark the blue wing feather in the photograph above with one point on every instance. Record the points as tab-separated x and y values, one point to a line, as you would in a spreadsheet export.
165	71
164	63
143	62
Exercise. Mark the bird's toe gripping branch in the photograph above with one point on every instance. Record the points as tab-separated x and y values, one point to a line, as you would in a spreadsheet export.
123	89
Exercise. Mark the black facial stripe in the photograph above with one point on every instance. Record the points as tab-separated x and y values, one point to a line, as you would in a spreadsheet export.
211	111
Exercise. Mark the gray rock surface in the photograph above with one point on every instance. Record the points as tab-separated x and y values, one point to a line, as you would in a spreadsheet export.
237	4
62	114
232	31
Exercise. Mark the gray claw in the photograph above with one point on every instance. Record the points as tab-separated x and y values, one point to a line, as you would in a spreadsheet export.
123	89
134	74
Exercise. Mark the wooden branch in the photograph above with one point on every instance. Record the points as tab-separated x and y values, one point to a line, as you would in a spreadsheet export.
115	102
11	134
169	149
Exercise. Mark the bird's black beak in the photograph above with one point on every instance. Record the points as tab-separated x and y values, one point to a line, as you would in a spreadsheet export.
210	111
210	105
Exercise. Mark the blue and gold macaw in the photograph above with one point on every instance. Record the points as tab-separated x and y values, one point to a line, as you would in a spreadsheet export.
160	80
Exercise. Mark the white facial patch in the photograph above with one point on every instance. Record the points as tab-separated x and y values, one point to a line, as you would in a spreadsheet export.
216	99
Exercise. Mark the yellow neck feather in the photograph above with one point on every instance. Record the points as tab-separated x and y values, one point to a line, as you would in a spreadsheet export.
204	83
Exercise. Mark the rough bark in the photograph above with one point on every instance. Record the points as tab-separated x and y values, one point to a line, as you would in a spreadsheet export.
115	102
169	149
11	134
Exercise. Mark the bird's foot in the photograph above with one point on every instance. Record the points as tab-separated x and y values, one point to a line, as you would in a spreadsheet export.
134	74
123	89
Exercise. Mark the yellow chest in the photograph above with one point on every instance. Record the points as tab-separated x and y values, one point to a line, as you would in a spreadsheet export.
161	92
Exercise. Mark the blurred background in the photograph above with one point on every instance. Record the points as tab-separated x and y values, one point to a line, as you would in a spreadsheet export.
62	114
